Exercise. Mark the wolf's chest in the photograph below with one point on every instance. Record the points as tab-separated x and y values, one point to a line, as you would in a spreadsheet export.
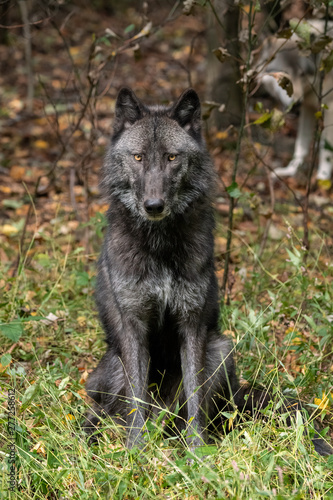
177	294
164	290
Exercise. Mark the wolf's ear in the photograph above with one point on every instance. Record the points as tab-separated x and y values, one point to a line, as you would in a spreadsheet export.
128	110
186	111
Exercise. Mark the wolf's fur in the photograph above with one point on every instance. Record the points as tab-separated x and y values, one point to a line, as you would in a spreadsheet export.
157	293
284	56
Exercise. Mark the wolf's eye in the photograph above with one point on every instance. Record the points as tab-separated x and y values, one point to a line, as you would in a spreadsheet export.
171	157
138	157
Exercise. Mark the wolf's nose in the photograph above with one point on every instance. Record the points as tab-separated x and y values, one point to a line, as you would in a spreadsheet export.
154	206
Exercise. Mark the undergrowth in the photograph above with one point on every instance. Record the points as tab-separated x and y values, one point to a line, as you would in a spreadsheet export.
280	319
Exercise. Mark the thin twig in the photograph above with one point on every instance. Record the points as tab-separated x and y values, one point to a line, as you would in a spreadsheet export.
269	221
236	162
315	152
281	179
26	222
14	26
28	59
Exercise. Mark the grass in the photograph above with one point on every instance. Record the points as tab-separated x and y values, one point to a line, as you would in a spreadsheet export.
280	318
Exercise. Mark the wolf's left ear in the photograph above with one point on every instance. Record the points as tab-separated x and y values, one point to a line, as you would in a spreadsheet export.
186	111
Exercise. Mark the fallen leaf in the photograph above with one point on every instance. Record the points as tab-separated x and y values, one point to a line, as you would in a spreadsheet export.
82	321
16	105
8	230
84	377
50	318
40	144
74	51
17	173
222	135
39	448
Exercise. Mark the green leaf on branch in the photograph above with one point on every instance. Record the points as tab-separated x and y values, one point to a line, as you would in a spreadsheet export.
302	29
234	191
272	120
129	28
263	118
327	63
320	43
285	33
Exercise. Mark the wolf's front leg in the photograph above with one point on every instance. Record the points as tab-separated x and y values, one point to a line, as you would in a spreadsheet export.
193	355
135	359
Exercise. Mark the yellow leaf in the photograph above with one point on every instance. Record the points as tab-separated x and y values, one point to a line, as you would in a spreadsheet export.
41	144
8	230
325	184
74	51
81	320
3	368
84	377
297	340
39	447
322	403
132	411
221	135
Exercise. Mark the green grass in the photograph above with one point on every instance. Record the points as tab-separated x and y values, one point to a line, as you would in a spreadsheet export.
280	318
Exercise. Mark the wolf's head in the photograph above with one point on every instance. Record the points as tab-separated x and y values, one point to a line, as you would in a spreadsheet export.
157	164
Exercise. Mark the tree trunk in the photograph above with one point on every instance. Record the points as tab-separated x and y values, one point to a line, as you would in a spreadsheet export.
222	77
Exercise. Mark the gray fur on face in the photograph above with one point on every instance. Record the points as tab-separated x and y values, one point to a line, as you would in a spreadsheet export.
156	135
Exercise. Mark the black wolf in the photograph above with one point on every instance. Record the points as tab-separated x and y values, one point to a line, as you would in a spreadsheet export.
157	293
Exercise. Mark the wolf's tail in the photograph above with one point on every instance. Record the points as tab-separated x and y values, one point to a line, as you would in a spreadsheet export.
251	400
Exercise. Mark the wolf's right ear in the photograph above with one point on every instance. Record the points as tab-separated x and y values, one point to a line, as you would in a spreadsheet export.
128	110
186	111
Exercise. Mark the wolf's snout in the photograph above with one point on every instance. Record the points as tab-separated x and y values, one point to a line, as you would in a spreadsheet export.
154	206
